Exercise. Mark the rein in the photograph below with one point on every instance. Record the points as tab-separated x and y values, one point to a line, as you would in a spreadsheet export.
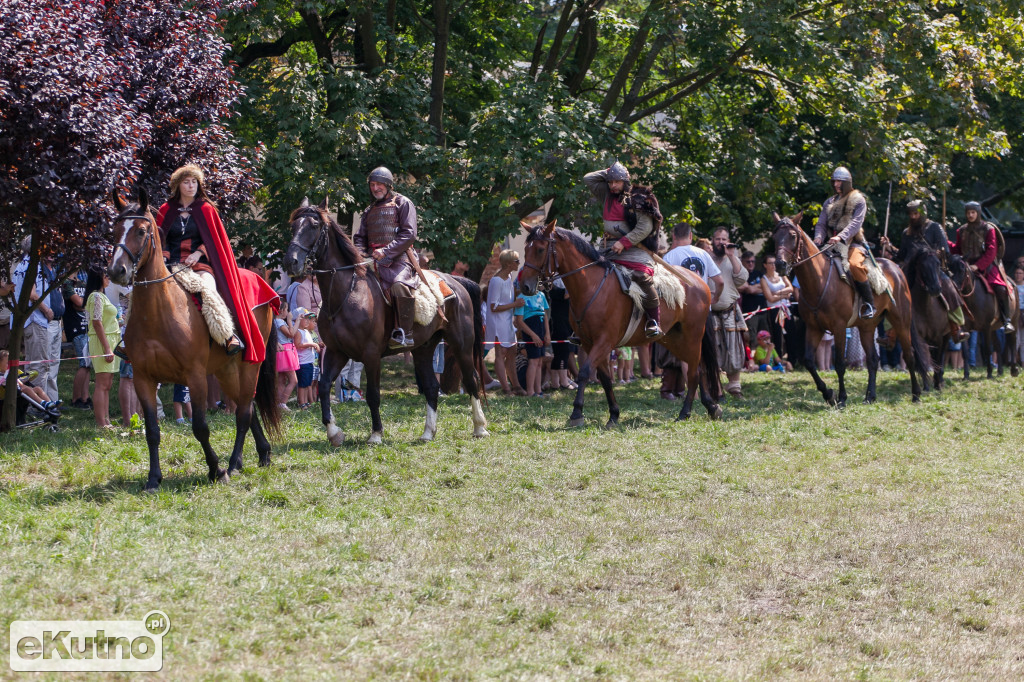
135	257
548	276
828	279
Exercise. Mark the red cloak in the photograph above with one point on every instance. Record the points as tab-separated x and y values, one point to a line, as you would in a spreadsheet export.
242	290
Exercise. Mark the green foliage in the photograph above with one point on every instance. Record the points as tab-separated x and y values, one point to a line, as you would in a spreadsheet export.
730	110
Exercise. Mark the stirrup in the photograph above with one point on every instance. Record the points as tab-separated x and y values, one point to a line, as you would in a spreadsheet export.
120	352
235	349
652	329
867	311
399	339
1008	327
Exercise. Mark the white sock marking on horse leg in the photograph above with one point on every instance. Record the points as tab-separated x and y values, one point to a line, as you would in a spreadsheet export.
334	434
430	427
479	420
376	438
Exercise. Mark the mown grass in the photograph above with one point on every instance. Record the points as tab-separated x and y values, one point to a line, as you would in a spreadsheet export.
788	540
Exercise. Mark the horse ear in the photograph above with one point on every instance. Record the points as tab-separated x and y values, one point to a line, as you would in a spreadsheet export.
323	204
797	218
776	218
550	227
305	202
143	201
119	203
528	229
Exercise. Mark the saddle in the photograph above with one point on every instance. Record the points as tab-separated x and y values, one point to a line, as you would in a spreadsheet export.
840	256
670	291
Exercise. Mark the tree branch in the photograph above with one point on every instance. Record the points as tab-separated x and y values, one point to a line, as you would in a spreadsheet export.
632	55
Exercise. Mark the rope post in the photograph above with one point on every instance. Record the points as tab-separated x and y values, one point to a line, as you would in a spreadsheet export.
888	204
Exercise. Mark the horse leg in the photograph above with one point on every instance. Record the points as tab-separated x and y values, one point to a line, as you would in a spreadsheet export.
812	339
910	357
867	341
243	420
371	370
582	379
464	354
145	387
939	356
262	444
605	376
332	366
986	348
201	430
423	361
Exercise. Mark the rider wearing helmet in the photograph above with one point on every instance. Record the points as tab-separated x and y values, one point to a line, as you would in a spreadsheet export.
841	220
978	243
386	231
631	217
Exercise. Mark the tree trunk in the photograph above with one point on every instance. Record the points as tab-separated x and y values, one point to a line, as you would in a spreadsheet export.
21	312
365	47
441	24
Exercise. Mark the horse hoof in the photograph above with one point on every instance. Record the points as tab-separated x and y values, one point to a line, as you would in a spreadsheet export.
576	422
376	438
233	472
683	417
151	489
481	433
915	399
336	439
220	477
867	401
1014	372
612	424
265	461
427	437
715	414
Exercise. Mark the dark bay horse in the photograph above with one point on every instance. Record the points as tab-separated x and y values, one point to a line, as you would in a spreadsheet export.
600	315
923	270
168	341
355	323
827	304
986	319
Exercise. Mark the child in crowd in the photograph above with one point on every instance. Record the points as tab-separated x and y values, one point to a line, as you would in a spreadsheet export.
532	320
37	394
182	404
766	357
307	350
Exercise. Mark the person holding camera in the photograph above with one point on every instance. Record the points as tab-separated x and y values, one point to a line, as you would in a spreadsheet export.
726	317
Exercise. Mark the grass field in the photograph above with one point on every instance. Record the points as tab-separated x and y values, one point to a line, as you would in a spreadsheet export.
788	540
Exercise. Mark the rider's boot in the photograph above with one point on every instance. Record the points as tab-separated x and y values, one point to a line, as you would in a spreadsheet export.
405	316
1003	296
653	327
867	308
956	333
234	345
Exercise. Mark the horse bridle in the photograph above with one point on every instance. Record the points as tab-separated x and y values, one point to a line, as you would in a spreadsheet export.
136	257
794	232
548	274
316	251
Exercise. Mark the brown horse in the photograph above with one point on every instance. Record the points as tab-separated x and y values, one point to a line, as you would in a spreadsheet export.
167	341
600	315
984	309
829	304
356	321
923	270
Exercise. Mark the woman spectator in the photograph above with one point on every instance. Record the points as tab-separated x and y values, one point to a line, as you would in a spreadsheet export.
501	301
287	357
823	353
561	332
104	333
777	290
532	321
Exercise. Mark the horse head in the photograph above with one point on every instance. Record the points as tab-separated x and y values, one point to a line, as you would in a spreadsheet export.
539	258
958	270
924	263
309	236
787	241
136	238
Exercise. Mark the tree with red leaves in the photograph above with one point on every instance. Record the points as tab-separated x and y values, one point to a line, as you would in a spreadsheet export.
97	97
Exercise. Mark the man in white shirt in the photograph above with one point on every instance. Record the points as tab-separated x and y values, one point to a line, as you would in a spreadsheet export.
684	255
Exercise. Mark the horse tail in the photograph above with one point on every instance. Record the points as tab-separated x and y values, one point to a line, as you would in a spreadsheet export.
475	298
709	362
266	390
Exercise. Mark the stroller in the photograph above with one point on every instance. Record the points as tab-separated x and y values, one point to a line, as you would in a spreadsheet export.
40	415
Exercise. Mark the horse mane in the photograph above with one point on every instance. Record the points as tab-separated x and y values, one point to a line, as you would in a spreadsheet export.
349	251
578	242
